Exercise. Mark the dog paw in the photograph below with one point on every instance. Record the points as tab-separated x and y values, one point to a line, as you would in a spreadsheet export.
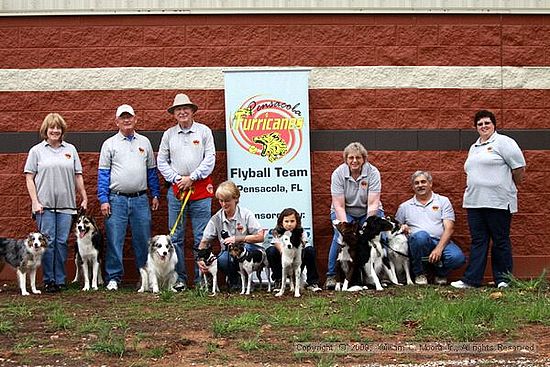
25	293
279	294
297	295
337	288
94	288
36	291
86	288
141	290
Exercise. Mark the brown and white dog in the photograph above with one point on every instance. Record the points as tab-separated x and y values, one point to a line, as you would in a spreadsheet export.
160	269
347	261
250	262
25	256
89	250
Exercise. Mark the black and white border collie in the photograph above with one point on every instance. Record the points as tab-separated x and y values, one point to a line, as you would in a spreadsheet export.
370	236
89	251
291	261
160	270
347	260
250	262
25	256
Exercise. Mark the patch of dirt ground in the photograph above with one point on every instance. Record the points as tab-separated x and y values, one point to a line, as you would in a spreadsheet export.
124	328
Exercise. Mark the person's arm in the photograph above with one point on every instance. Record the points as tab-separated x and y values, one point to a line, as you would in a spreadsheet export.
517	175
448	231
154	187
339	204
31	188
163	160
373	203
81	190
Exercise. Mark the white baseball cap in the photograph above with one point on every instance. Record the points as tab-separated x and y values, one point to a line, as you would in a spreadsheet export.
125	108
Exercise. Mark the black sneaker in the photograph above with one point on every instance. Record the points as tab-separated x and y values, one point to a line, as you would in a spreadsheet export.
51	287
180	286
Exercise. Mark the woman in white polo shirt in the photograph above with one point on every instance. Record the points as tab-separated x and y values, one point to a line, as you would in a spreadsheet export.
495	165
54	174
355	188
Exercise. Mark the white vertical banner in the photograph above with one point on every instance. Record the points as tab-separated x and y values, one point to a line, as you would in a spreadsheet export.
268	151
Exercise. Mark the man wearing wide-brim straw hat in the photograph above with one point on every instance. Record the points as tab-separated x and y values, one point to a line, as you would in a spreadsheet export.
186	159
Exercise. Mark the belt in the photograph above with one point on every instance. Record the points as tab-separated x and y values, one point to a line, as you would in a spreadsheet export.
132	194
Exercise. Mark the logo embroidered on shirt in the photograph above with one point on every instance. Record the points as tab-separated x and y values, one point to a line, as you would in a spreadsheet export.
364	184
489	149
240	227
196	143
435	208
68	155
141	150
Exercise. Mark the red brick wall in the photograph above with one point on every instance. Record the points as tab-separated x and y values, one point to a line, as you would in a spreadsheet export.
305	40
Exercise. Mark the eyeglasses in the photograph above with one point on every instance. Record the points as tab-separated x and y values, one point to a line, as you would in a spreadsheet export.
483	123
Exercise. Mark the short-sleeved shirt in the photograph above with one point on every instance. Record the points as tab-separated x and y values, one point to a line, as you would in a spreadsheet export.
356	192
128	159
489	166
55	170
243	223
187	152
426	217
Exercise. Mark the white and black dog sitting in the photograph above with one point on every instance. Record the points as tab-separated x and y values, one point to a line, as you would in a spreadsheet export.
377	260
211	262
25	256
160	269
250	262
398	250
291	260
89	251
347	261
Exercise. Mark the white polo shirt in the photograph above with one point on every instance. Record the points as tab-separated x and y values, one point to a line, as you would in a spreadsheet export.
489	166
426	217
243	223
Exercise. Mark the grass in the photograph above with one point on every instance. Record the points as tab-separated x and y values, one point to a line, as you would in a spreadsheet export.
135	328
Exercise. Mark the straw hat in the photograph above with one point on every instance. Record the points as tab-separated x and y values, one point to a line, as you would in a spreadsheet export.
182	100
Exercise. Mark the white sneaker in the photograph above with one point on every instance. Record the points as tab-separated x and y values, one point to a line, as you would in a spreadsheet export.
421	280
440	280
112	286
502	285
313	288
460	285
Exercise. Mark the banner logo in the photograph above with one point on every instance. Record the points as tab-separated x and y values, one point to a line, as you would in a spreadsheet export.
269	128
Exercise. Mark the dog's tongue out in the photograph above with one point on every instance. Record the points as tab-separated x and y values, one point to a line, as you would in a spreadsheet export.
163	258
81	234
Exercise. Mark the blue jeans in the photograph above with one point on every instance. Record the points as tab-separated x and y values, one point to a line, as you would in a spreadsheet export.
230	267
199	212
308	261
56	226
488	224
421	244
124	210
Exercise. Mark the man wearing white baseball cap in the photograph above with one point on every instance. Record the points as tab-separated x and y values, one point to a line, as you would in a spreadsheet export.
127	168
186	159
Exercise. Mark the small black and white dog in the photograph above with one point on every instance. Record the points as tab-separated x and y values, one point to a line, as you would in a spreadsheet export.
291	261
250	262
160	269
25	256
89	250
398	253
377	260
211	262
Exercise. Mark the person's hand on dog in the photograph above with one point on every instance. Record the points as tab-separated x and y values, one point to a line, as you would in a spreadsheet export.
229	240
106	209
435	256
405	229
202	267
